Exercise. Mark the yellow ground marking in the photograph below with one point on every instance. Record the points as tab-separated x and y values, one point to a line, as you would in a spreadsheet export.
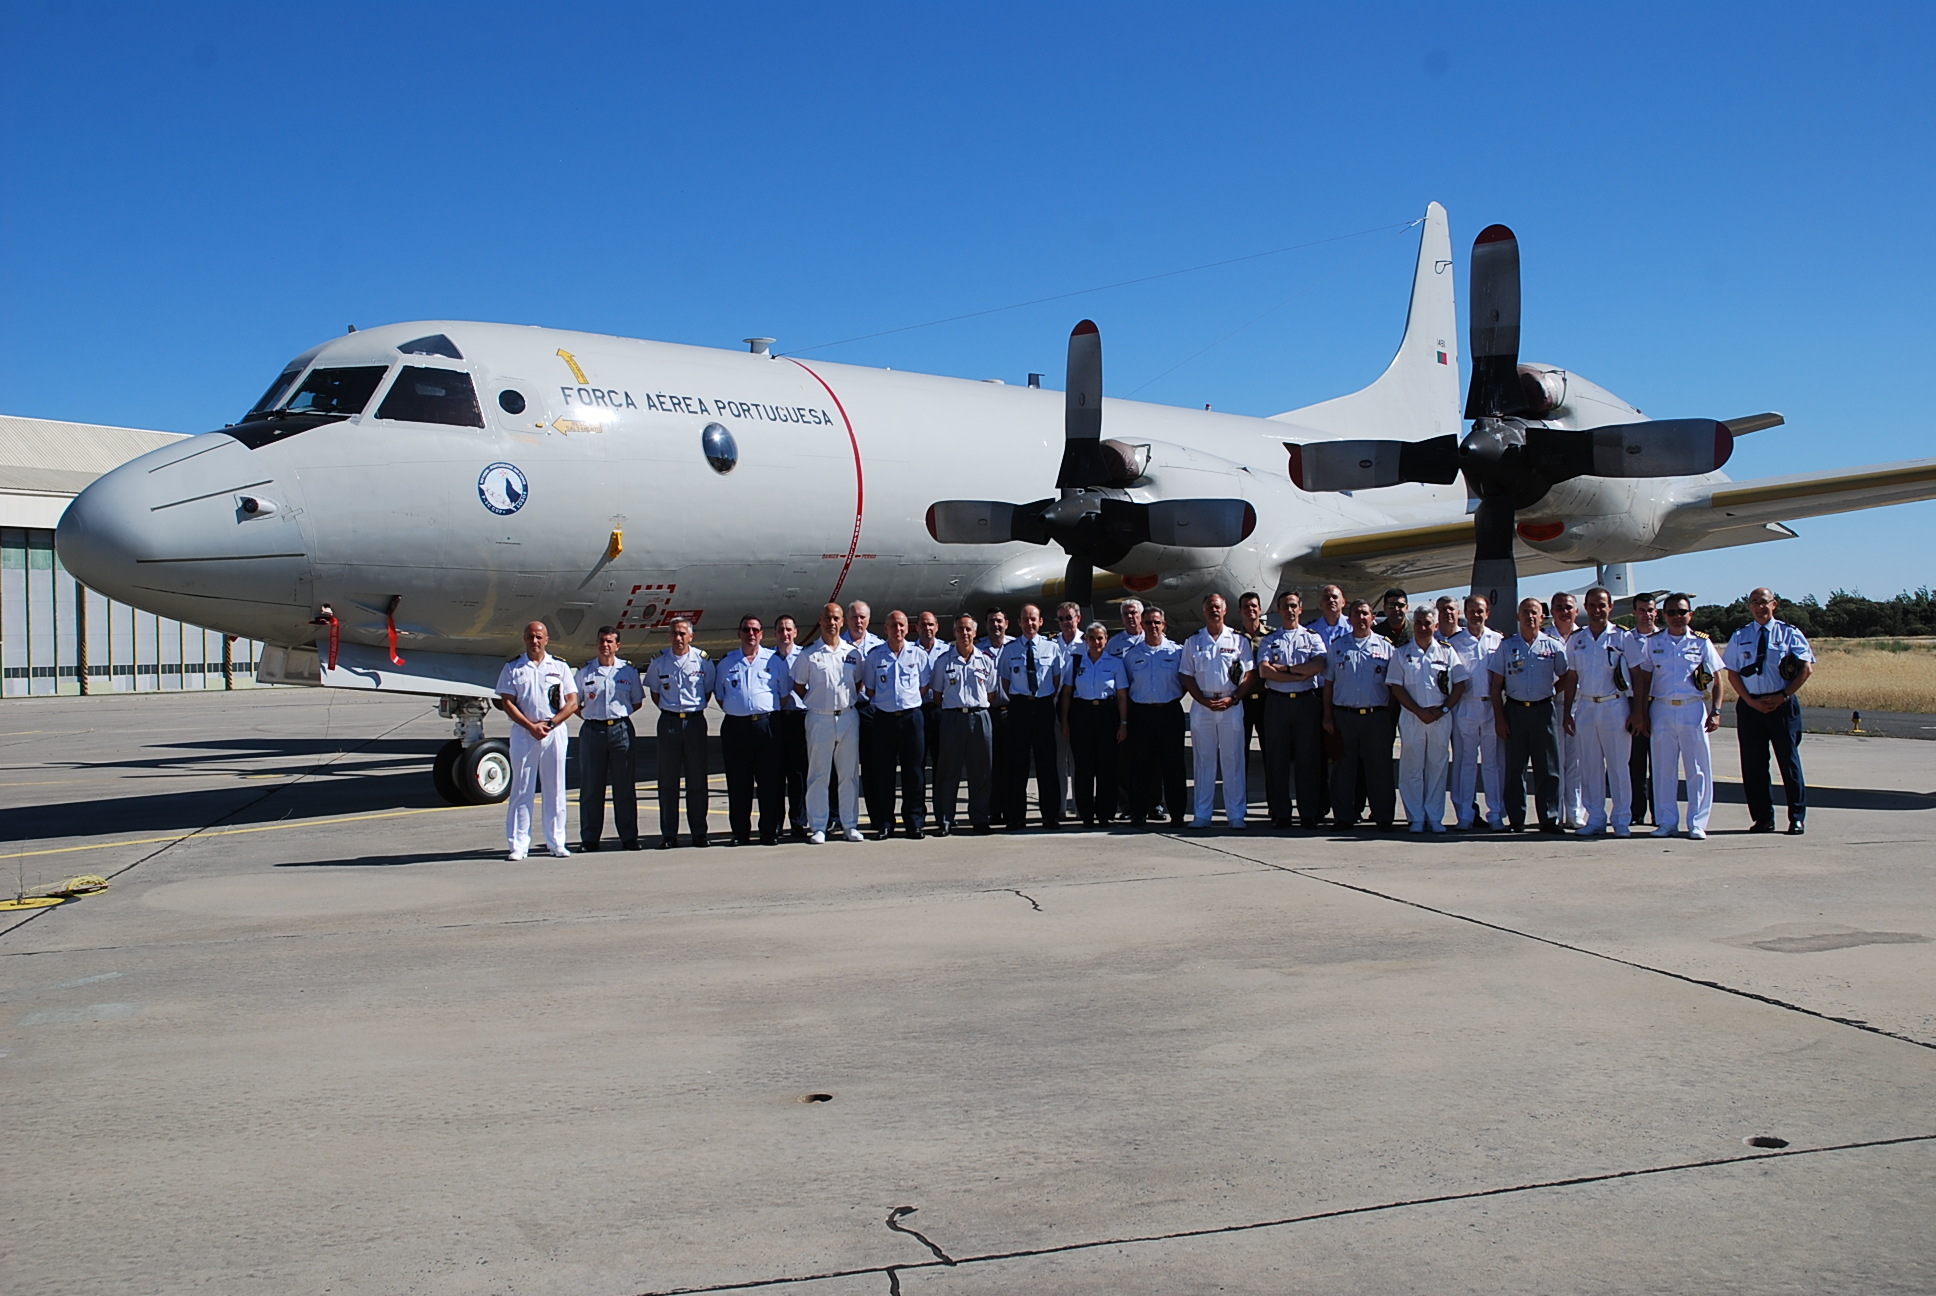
716	779
32	902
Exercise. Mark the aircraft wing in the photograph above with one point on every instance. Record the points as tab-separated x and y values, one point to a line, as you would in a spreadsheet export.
1763	503
1418	557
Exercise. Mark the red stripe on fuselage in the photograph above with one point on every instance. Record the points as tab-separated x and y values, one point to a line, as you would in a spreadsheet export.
860	488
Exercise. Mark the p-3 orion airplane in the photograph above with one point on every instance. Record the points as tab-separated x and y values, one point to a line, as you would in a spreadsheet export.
403	500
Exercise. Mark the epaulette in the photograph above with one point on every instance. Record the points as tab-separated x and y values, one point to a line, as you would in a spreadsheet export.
1704	634
703	654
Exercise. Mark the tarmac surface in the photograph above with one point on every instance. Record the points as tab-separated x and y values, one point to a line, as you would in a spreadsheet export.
319	1035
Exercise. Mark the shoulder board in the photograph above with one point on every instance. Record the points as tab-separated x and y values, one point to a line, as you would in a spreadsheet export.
1703	634
703	656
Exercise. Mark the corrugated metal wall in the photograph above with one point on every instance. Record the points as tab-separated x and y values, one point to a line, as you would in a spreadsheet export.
129	650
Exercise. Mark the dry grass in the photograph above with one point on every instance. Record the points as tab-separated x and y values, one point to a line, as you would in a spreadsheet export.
1873	675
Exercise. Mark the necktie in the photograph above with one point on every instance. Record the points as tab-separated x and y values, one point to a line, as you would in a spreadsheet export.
1761	653
1028	651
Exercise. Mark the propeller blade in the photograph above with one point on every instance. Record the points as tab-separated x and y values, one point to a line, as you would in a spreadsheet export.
1754	423
986	522
1079	581
1083	463
1182	523
1362	465
1495	572
1661	448
1495	391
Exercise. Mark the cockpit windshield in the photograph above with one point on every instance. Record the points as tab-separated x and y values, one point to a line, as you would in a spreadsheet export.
276	389
340	392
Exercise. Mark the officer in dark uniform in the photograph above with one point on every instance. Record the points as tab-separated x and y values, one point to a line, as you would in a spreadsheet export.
680	679
1768	661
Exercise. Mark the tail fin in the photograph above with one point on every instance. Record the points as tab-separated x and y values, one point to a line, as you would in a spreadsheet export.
1418	394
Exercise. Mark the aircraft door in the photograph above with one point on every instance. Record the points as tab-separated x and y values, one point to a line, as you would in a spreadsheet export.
514	405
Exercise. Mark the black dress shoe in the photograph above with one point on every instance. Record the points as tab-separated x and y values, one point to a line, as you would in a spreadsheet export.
1551	828
702	841
587	846
944	830
1795	828
882	834
667	843
634	844
770	841
981	830
1762	827
915	833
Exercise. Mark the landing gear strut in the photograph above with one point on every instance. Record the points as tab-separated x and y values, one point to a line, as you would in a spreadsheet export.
471	769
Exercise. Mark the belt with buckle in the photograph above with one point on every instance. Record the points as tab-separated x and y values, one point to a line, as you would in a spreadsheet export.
1680	701
1093	701
1360	710
682	714
1603	697
949	708
596	720
1535	702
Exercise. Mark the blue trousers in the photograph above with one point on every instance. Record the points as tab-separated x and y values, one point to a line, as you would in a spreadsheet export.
605	756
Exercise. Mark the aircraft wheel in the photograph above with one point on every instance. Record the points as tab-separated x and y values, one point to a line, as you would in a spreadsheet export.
483	773
443	772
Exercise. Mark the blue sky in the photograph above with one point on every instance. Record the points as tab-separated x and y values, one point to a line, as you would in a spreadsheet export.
1723	209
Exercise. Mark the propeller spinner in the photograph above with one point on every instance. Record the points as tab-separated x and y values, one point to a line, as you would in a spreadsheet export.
1093	518
1508	460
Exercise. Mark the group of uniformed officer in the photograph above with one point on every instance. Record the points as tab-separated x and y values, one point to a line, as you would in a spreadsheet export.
810	730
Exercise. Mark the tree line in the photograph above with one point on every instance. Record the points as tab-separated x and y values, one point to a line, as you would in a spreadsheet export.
1844	616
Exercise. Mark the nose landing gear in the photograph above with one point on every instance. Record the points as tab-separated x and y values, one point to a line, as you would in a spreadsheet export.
471	769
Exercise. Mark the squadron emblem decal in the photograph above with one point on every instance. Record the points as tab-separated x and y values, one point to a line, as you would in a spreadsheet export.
503	488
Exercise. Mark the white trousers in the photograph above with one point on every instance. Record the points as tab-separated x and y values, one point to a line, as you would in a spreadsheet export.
1603	742
532	763
1572	790
1680	739
1475	751
833	745
1217	738
1424	756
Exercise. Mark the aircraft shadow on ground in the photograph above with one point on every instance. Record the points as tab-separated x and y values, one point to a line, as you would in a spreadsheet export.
420	857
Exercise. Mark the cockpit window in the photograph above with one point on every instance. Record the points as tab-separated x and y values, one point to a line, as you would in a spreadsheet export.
432	396
276	389
436	344
337	391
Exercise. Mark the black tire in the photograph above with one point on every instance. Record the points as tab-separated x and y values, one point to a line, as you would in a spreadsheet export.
443	772
483	772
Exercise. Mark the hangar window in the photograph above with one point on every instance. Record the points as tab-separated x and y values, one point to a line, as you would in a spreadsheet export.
432	396
436	344
337	391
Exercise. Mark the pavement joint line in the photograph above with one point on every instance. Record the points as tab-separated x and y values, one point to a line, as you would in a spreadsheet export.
171	843
1342	1212
1770	1000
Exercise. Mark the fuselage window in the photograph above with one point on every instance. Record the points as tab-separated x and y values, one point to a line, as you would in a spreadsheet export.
276	389
337	391
432	396
722	451
510	401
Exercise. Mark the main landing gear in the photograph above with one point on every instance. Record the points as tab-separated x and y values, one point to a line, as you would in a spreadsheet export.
471	769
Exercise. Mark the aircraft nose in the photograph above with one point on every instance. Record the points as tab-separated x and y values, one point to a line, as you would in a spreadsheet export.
193	531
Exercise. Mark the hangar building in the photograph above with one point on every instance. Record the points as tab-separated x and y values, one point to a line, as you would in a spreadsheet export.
49	623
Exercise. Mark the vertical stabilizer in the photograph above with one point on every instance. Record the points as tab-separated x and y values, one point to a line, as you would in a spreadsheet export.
1418	394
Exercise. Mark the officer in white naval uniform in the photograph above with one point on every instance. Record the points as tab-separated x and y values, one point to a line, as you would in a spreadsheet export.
1682	689
1768	662
679	680
1476	754
609	691
1217	664
1427	679
539	695
1566	619
1599	712
826	679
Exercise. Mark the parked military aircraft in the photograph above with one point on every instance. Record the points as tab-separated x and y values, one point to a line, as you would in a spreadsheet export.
402	500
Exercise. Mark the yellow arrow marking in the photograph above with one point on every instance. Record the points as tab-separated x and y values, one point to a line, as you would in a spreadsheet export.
576	372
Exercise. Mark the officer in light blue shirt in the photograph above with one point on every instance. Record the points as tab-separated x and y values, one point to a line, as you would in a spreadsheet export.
679	681
1527	670
1095	715
1767	662
1155	723
750	684
1291	662
1357	708
609	691
1031	673
894	676
963	685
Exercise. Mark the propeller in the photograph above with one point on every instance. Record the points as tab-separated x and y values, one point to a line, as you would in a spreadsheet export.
1509	459
1092	517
